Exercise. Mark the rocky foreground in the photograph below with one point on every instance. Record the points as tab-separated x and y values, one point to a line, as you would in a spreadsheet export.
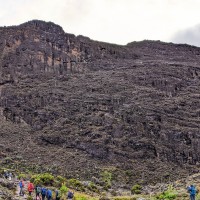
78	107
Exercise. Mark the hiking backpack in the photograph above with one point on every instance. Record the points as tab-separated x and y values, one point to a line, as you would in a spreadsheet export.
38	190
44	191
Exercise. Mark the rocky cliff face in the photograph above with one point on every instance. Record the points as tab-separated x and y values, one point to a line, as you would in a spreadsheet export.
78	106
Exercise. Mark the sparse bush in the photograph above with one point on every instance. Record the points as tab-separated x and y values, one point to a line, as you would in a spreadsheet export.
46	179
93	187
169	194
80	197
61	179
22	176
74	183
106	178
124	198
128	173
29	198
83	197
63	191
136	189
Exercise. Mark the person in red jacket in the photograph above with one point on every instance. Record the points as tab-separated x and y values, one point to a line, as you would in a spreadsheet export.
30	188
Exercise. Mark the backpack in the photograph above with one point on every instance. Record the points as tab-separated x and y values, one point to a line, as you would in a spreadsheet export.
193	191
70	195
38	190
49	193
30	187
21	184
43	192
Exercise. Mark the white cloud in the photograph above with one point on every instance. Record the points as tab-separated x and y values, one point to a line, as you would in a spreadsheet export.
188	36
116	21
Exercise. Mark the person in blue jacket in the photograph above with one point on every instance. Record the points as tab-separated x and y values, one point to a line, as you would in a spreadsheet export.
21	186
49	194
192	190
44	193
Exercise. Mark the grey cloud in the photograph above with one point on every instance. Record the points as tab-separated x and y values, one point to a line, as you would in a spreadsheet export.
189	36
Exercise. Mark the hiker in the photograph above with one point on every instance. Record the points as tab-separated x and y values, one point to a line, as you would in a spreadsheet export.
6	175
49	194
21	186
70	195
57	195
37	191
192	190
10	176
30	188
43	192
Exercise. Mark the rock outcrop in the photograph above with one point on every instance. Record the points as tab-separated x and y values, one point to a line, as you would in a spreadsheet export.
82	106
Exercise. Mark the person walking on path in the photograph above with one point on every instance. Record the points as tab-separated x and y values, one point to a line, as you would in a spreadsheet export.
44	193
30	188
6	175
10	176
70	195
38	191
57	195
192	190
49	194
21	186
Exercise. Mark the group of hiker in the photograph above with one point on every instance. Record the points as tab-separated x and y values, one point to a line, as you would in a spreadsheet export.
42	193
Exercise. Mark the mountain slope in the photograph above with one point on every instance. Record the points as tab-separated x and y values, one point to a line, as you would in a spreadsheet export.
78	106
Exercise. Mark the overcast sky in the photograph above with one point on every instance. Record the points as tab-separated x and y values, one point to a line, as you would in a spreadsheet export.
114	21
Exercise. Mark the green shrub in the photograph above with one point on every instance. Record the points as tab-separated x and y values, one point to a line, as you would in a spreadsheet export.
83	197
93	187
106	178
124	198
29	198
79	197
22	176
38	181
46	179
74	183
128	173
167	195
136	189
64	189
61	179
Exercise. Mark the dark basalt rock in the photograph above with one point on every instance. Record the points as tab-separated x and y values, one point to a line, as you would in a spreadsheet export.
100	104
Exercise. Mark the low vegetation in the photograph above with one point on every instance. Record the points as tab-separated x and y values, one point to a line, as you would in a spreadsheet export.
136	189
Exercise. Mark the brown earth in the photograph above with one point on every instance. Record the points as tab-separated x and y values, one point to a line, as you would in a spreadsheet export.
78	107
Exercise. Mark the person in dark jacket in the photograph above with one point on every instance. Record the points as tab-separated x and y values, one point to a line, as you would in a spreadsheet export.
70	195
57	195
192	190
